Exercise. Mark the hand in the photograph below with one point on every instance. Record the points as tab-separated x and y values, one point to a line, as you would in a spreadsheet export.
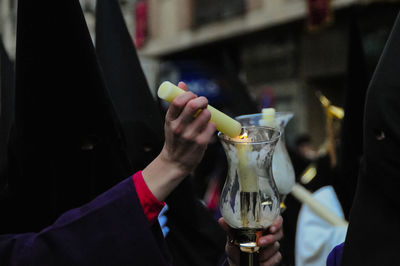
187	133
187	136
269	254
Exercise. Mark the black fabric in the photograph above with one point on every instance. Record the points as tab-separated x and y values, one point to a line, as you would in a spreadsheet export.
351	137
195	238
374	230
239	101
7	97
67	138
139	114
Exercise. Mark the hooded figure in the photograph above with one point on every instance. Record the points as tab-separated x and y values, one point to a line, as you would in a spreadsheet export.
69	149
195	238
68	141
375	212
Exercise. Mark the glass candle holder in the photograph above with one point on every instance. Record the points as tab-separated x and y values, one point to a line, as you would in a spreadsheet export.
282	166
250	200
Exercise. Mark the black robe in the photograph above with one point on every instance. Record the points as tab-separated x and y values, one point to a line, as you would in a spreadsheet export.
7	113
374	231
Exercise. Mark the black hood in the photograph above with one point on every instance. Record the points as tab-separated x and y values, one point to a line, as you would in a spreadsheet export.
69	143
138	111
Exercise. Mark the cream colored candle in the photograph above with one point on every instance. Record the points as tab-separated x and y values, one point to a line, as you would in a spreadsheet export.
268	115
304	196
247	177
224	123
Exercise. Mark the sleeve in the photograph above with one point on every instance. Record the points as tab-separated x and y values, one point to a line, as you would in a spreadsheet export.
335	256
110	230
150	204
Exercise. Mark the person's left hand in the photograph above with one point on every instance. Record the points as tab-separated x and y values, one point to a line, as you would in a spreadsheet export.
269	254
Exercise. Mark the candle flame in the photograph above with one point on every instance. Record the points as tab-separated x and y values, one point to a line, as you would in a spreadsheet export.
243	136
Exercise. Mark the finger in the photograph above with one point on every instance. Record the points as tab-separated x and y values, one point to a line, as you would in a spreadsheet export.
198	125
205	137
224	225
182	85
178	104
268	252
270	238
187	115
276	225
233	254
273	261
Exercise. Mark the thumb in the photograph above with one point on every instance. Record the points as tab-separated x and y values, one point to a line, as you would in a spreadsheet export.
225	226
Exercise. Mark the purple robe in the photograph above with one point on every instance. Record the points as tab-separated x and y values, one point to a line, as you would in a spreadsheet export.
335	256
110	230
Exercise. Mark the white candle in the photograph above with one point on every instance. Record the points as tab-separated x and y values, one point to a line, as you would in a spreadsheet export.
224	123
248	179
268	115
304	196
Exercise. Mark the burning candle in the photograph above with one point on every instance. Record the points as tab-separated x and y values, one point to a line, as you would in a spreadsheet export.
247	177
224	123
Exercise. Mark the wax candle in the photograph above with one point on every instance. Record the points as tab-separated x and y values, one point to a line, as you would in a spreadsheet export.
224	123
281	164
304	196
248	183
247	177
268	115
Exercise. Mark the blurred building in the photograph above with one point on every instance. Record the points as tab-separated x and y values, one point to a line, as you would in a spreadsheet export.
272	47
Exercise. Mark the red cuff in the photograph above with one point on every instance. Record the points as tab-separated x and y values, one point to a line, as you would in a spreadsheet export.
151	205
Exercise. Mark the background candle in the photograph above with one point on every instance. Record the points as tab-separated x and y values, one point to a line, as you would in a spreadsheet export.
304	196
224	123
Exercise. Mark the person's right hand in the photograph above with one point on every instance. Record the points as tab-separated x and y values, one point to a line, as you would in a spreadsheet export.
187	136
187	133
269	254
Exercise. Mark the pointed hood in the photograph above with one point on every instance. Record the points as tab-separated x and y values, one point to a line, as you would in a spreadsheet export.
139	113
6	111
376	204
69	143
